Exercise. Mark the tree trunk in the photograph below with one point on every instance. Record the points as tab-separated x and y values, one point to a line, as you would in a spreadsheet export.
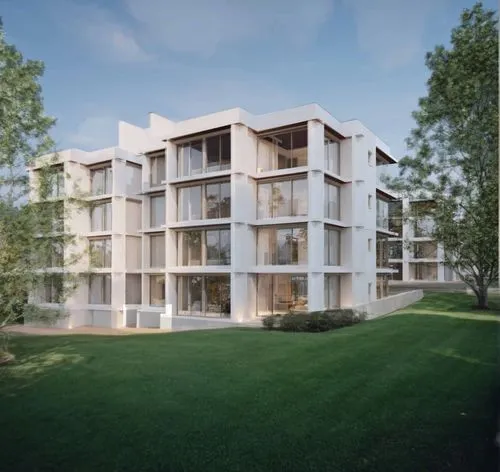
482	297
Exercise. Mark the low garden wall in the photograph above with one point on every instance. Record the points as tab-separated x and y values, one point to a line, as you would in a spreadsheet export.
390	304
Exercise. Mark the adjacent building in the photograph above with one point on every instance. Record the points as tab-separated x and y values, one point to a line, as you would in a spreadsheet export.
227	218
414	254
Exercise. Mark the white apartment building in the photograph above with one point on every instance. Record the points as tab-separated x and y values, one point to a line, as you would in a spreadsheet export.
225	218
414	254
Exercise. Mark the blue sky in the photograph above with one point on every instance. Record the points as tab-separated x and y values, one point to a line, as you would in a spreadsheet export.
120	59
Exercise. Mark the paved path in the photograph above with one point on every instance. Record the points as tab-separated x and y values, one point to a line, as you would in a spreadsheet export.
21	329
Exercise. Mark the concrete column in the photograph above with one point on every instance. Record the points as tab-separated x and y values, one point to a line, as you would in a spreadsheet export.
315	291
440	258
315	145
239	297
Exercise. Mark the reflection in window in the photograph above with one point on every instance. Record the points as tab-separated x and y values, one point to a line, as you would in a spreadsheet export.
395	250
218	247
425	249
50	289
133	289
100	252
280	294
281	246
216	202
100	217
133	178
189	244
157	290
382	214
208	154
157	250
283	150
101	181
157	163
100	289
332	201
332	155
204	295
332	247
207	247
332	291
423	271
382	286
157	216
282	198
382	257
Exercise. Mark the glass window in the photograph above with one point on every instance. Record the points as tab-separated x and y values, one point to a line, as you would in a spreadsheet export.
423	271
280	294
100	289
332	201
332	291
218	200
332	247
101	181
157	250
332	155
213	153
399	274
395	250
50	289
134	178
382	214
56	182
282	246
157	211
133	289
207	295
189	203
425	250
189	243
101	217
382	286
218	244
382	252
225	162
283	150
209	154
423	227
282	198
299	197
158	174
100	252
157	290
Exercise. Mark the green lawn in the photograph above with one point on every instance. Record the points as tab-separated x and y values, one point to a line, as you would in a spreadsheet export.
411	392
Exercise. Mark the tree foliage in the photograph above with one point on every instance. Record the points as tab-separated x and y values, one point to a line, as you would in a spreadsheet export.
455	149
30	231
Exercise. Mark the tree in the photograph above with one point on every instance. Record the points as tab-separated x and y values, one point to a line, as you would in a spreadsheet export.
26	228
455	147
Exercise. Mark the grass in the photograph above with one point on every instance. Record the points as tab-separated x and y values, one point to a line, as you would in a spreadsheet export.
411	392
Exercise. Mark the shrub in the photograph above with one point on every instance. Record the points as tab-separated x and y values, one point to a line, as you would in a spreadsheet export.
313	322
271	322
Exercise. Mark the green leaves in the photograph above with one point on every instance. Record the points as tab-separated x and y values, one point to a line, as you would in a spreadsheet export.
455	147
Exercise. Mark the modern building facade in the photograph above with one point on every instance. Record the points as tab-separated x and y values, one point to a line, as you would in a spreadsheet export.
227	218
414	254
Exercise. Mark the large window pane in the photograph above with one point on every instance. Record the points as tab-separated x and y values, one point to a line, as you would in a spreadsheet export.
134	179
282	246
283	150
332	156
282	198
157	169
100	217
157	211
300	197
264	295
100	289
332	291
157	250
157	290
190	203
225	151
264	201
281	294
101	181
382	252
299	148
332	247
207	295
332	201
100	252
382	286
382	214
190	248
213	153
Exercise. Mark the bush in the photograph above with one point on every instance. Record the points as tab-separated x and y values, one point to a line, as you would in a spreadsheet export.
313	322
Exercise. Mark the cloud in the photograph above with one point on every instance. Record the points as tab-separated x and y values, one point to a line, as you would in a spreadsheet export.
201	26
95	132
101	30
392	31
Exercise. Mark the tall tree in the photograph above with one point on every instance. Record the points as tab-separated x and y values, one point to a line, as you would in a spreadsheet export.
455	149
27	233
